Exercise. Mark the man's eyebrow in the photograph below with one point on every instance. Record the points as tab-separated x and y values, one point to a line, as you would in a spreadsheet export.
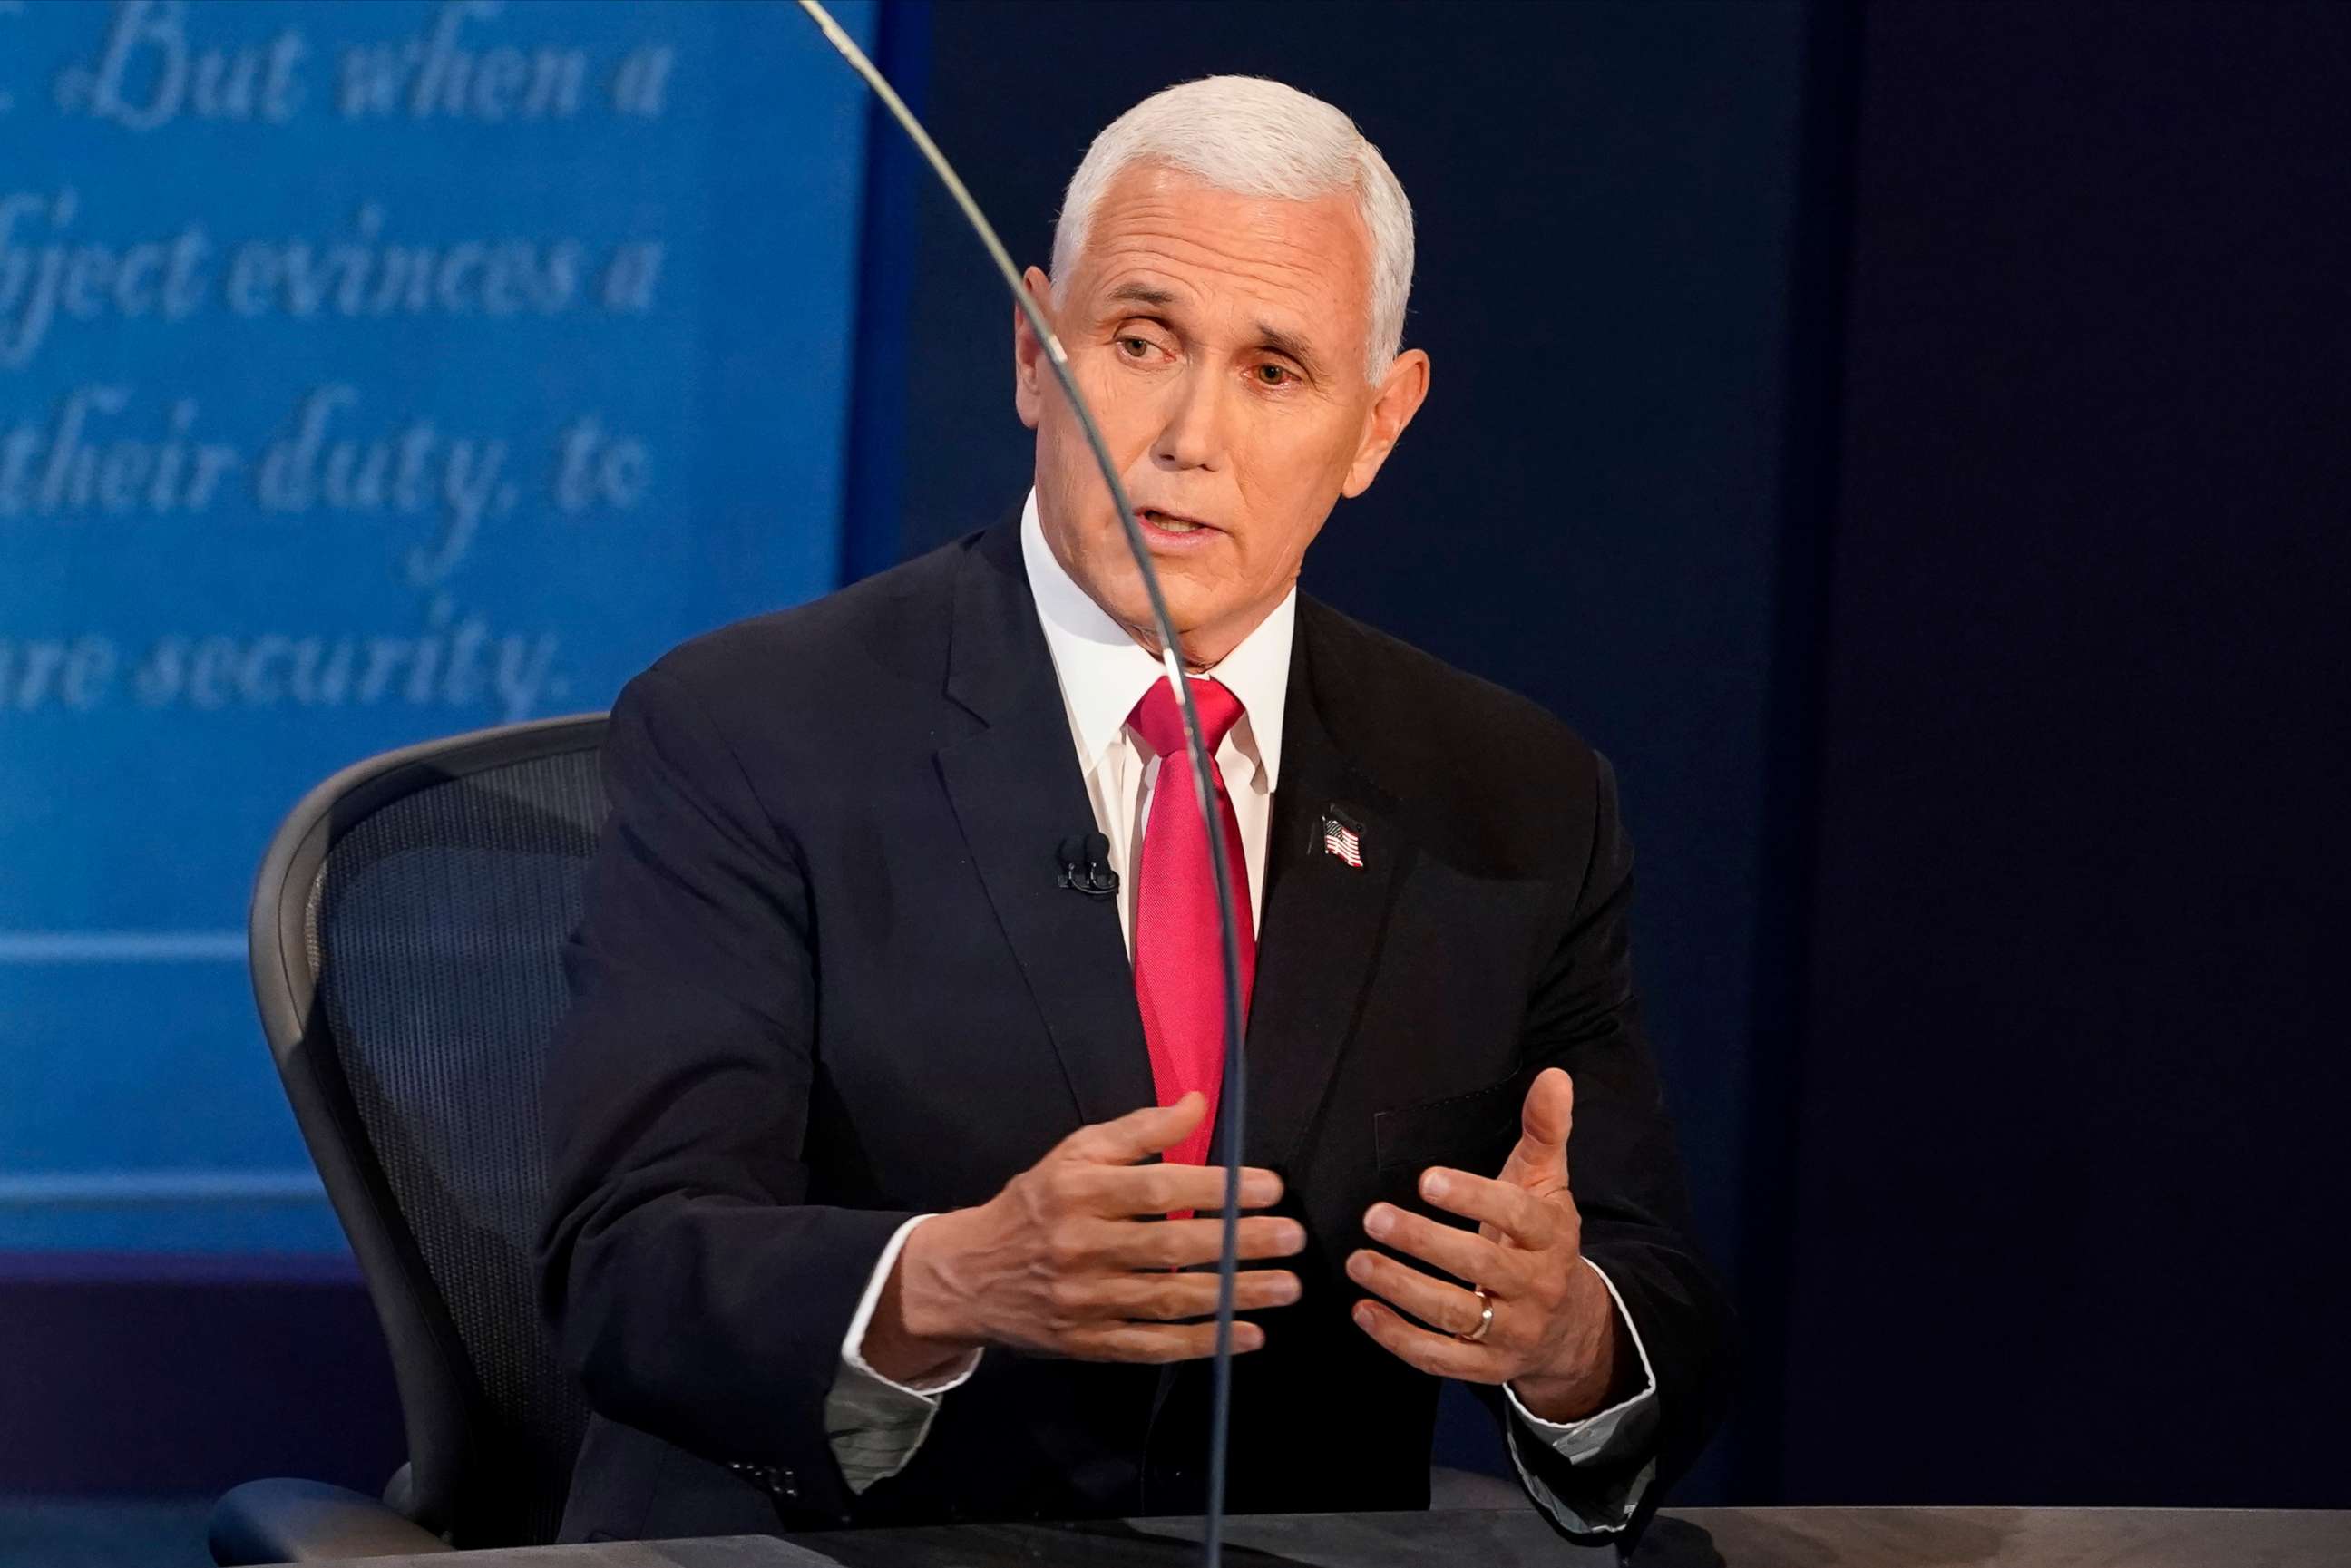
1288	345
1144	294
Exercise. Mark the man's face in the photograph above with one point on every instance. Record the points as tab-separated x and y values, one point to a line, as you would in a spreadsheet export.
1220	340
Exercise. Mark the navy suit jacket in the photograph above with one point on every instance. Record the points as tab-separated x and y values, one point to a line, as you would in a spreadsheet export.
826	980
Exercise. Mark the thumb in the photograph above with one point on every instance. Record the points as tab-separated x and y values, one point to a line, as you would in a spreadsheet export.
1544	1122
1128	1138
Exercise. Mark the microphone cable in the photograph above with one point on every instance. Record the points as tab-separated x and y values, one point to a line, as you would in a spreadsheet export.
1230	1096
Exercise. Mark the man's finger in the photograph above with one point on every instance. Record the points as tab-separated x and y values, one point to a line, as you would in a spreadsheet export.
1441	1355
1460	1253
1444	1306
1545	1120
1158	1342
1126	1192
1129	1138
1180	1243
1506	1206
1171	1298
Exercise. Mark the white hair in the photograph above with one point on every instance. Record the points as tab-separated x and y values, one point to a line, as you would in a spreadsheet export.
1254	138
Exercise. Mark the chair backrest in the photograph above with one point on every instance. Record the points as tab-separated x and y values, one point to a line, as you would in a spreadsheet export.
407	943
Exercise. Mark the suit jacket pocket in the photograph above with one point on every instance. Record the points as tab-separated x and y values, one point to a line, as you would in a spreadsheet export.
1461	1130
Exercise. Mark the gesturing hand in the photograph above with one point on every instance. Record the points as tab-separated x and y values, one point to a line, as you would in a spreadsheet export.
1062	1261
1552	1335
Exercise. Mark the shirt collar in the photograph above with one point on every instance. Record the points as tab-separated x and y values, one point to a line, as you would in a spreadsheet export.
1104	672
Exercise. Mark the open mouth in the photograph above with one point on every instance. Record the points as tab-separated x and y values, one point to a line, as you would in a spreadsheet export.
1169	522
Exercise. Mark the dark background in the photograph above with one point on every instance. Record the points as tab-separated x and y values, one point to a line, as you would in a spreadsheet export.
2065	1209
1911	439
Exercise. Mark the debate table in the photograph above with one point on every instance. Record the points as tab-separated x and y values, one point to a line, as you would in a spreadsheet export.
1509	1538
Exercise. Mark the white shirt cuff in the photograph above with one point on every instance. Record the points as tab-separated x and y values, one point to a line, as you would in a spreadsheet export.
1607	1434
874	1422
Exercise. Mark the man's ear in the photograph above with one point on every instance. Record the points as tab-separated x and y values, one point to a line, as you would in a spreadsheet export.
1029	367
1401	393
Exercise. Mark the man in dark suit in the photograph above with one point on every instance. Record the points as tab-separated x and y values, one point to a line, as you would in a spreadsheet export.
877	1143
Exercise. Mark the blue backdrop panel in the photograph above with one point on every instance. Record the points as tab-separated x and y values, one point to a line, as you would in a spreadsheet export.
367	373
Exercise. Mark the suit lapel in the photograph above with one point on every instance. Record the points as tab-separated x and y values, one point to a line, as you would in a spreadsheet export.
1016	794
1324	919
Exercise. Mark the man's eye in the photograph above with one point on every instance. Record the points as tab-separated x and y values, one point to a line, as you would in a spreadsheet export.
1274	375
1135	348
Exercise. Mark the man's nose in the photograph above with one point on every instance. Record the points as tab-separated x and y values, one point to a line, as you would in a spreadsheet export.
1192	433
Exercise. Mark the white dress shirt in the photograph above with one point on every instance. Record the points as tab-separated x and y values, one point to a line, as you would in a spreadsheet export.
875	1424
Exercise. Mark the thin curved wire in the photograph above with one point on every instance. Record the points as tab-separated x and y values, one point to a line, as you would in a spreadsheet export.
1232	1092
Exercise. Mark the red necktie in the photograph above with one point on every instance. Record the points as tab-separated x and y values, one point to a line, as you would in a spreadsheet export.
1179	966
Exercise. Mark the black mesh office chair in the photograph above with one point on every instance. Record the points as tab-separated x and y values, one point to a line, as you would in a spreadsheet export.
406	937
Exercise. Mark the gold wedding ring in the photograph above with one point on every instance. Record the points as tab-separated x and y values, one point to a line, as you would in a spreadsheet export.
1485	1318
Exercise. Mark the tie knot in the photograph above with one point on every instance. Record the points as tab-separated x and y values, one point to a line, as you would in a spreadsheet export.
1160	721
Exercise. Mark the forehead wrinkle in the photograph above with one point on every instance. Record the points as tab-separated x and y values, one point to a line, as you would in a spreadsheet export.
1278	249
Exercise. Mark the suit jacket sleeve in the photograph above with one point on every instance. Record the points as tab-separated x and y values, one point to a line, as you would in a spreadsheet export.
1584	1016
692	1288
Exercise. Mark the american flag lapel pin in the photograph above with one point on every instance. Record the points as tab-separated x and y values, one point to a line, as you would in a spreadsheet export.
1341	838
